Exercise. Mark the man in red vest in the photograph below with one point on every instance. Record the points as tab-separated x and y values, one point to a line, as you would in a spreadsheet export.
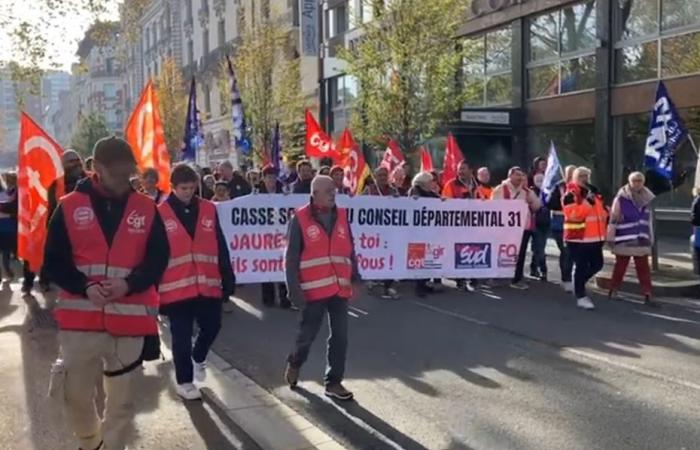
198	277
106	249
320	266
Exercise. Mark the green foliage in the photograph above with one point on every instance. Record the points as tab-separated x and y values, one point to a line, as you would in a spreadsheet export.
91	128
172	103
407	64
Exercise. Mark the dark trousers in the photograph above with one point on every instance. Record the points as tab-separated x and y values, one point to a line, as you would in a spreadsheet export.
566	264
519	267
29	276
268	294
207	314
538	261
588	260
311	319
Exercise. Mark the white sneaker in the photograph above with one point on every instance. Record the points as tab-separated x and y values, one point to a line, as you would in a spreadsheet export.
200	371
188	391
585	303
568	286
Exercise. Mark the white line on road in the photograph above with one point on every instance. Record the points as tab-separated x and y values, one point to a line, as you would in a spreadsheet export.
566	349
358	310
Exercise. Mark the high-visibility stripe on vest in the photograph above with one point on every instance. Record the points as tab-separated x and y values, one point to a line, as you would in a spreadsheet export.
584	222
133	315
193	269
325	267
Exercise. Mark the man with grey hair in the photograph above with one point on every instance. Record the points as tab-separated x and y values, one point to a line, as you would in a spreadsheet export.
320	266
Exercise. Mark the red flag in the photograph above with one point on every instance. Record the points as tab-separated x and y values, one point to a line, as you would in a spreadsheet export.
356	169
318	143
453	155
426	161
392	156
39	166
144	133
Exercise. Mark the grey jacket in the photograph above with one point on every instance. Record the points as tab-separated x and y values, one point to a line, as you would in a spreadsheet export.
295	245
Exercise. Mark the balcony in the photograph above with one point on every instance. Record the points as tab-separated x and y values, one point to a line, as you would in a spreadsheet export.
188	26
203	15
219	7
210	62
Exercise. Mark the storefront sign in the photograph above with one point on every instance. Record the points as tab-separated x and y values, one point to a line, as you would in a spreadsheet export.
395	238
490	117
309	27
482	7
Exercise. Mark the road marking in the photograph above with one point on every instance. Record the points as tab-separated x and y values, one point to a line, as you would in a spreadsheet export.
665	317
566	349
358	310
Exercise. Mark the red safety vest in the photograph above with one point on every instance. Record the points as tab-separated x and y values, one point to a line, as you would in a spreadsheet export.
584	222
193	269
325	268
133	315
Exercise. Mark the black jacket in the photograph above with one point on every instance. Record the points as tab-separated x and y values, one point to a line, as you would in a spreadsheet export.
302	187
695	212
187	215
58	253
279	188
239	186
554	203
69	185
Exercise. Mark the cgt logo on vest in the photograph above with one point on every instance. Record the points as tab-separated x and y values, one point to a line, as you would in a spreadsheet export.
136	222
207	224
341	231
170	225
313	232
83	217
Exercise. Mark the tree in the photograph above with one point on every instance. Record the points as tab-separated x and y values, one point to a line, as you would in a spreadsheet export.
91	128
267	70
406	65
172	100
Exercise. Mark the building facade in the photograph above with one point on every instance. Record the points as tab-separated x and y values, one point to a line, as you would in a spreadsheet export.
53	85
580	74
161	36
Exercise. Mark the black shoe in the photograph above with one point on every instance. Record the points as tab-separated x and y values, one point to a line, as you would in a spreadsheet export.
285	304
26	290
651	303
339	392
268	303
291	375
543	277
45	287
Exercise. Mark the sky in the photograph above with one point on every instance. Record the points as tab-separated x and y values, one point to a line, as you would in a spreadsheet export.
63	34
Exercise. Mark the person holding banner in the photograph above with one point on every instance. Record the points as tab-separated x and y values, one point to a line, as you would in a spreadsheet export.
271	185
566	264
462	186
106	250
424	185
538	262
320	266
484	191
399	179
238	185
198	277
630	234
585	218
338	175
514	188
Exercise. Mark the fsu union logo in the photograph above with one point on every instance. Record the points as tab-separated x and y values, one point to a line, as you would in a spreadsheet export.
313	232
207	224
136	222
421	255
473	255
83	216
170	225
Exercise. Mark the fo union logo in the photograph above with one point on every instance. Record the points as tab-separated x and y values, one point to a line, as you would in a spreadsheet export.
422	255
473	255
136	222
507	255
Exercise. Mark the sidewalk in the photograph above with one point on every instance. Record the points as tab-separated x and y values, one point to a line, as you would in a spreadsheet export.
235	415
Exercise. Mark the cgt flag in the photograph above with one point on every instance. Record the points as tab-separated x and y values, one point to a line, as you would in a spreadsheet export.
40	165
666	132
453	155
426	161
144	133
392	156
353	162
318	143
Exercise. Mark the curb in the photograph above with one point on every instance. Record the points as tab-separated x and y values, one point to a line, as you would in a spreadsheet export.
265	419
689	288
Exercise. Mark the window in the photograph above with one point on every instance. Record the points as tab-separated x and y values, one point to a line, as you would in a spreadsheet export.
487	68
188	10
575	143
155	69
190	52
222	32
148	39
562	51
656	39
337	22
110	90
109	66
343	91
205	42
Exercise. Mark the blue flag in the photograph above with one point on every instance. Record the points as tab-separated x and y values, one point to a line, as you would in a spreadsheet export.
666	132
552	174
193	138
276	154
240	129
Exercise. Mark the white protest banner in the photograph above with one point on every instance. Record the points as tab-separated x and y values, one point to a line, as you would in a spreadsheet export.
395	238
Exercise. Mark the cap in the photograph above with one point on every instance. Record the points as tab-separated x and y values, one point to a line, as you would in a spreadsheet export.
70	155
113	150
336	169
269	169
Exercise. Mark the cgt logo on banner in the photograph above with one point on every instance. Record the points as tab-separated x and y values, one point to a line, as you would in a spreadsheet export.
507	255
472	255
422	255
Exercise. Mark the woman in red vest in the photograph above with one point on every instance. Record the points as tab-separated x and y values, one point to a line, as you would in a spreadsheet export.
198	277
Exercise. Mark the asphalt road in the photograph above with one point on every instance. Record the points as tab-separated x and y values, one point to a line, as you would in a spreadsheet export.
498	369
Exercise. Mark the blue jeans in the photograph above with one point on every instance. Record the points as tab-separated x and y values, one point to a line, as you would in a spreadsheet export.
538	262
311	319
588	260
566	264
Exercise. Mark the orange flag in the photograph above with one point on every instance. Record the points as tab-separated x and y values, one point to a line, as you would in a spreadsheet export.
40	166
426	161
353	162
453	155
318	143
144	133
